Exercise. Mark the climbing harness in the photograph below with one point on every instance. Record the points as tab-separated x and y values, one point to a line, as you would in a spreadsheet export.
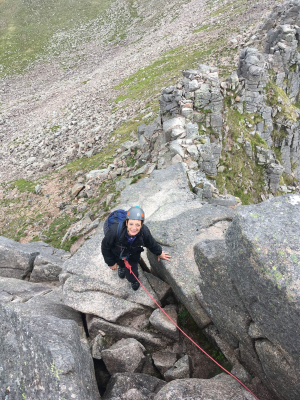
174	323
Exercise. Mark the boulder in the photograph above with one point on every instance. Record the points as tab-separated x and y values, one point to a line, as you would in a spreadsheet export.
173	123
97	345
17	260
175	216
161	288
46	269
221	387
263	257
123	386
118	332
98	173
20	291
164	360
181	369
127	355
162	323
180	233
42	354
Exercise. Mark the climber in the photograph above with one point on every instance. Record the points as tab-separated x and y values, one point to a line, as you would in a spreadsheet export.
126	239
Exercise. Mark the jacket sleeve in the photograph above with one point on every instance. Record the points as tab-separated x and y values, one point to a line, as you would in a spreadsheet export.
150	242
107	245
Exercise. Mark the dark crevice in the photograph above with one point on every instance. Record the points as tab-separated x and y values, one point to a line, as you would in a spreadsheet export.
83	316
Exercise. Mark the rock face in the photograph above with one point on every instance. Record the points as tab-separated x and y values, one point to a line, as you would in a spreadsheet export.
162	323
255	270
263	245
127	355
169	204
42	353
19	260
132	386
222	387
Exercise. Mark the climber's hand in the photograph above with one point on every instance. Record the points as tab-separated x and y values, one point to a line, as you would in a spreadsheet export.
164	256
114	267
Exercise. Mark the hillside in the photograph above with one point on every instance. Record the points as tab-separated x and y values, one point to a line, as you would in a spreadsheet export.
87	83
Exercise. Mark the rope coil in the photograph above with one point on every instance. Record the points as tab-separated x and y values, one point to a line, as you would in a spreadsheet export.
174	323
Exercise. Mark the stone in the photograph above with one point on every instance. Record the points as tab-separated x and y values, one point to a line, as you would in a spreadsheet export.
38	189
98	173
264	156
46	269
177	132
192	131
223	387
121	386
193	151
120	332
46	350
127	355
176	149
263	259
164	360
176	159
76	189
16	261
254	331
161	288
274	171
122	184
225	201
17	290
280	366
173	123
140	171
126	145
239	372
98	344
162	323
181	369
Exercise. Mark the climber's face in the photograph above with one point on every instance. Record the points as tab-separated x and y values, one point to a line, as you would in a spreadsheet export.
133	226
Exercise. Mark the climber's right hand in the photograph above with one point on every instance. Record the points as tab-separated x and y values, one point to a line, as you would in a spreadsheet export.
114	267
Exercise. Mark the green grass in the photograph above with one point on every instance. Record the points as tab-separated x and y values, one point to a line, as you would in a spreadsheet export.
288	110
203	28
56	231
239	162
148	81
186	322
29	26
24	186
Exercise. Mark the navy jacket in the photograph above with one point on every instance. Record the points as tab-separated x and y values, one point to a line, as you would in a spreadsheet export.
111	248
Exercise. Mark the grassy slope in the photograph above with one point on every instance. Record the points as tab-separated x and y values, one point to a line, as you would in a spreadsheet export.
27	28
146	83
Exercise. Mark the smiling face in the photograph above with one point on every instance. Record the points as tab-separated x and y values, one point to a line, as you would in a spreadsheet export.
133	226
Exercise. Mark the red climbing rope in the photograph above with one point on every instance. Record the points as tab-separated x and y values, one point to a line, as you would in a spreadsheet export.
129	267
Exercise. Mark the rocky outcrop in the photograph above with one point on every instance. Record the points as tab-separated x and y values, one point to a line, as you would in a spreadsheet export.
220	387
38	261
169	204
255	308
44	351
133	386
126	355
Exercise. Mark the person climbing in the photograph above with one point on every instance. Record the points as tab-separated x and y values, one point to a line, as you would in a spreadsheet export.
126	239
